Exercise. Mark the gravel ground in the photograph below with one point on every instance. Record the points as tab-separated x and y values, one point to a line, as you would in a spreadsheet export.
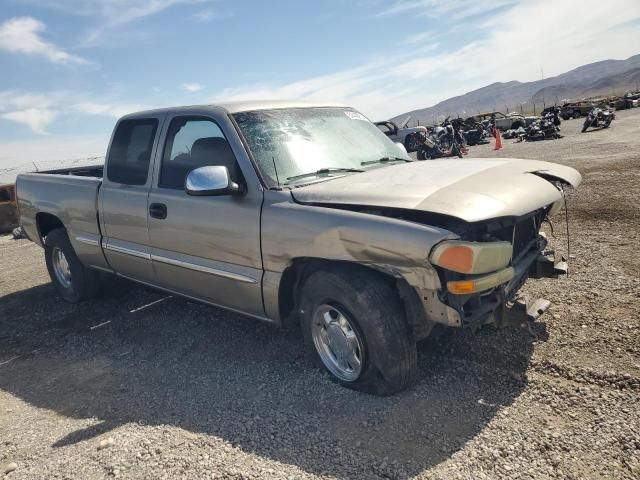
180	390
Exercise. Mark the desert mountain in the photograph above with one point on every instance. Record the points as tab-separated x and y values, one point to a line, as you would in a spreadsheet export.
600	78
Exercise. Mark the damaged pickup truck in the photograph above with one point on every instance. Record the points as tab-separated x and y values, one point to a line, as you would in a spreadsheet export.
298	213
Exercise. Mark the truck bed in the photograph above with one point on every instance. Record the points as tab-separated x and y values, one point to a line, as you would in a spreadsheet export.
72	199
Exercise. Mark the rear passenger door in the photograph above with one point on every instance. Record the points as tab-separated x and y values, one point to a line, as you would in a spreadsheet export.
124	194
206	247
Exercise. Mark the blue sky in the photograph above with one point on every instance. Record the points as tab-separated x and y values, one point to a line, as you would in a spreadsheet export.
71	67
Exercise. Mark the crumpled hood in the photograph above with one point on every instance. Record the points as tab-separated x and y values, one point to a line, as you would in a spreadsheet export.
470	189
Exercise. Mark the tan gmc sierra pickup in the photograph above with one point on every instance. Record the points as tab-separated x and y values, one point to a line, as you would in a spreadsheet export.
307	214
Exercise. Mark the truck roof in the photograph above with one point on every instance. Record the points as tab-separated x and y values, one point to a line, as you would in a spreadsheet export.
242	106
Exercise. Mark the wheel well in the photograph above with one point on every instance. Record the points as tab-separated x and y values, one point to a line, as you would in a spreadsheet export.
47	222
295	275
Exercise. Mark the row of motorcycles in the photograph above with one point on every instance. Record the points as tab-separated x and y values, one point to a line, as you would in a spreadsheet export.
452	136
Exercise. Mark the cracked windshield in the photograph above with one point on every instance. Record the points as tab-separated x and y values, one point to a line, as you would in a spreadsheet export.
294	146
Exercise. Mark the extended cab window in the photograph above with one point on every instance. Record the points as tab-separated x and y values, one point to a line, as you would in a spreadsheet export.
130	152
194	142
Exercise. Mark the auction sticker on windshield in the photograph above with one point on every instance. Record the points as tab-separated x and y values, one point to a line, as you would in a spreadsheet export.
355	115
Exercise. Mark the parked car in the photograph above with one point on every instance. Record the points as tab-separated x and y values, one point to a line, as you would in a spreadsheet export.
528	120
402	134
576	109
301	213
501	121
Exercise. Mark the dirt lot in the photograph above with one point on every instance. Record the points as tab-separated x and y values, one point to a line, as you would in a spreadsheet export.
180	390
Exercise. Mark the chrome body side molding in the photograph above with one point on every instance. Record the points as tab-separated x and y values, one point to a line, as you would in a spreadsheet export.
201	268
88	241
127	251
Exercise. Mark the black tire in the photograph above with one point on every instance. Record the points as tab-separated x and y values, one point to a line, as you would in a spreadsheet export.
84	282
585	125
410	144
375	311
456	150
423	155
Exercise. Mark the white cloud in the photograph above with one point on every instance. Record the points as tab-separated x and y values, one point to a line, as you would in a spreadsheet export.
116	12
209	15
456	9
106	108
38	119
191	87
39	110
22	35
109	15
418	38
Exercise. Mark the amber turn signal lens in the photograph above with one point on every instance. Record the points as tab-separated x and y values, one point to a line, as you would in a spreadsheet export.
480	284
462	287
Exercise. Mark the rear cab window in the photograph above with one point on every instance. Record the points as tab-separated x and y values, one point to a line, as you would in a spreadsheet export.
130	152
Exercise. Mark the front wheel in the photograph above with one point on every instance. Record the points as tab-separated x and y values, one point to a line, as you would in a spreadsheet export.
456	150
73	281
354	326
423	154
585	125
410	143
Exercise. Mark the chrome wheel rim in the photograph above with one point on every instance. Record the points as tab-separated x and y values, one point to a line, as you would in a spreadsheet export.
61	267
337	343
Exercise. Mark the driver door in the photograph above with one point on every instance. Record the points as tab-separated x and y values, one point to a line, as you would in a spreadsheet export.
205	247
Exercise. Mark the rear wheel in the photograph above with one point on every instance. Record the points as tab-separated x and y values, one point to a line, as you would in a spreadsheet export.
355	328
73	281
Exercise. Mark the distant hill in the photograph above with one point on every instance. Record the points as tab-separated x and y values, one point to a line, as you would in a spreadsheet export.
599	78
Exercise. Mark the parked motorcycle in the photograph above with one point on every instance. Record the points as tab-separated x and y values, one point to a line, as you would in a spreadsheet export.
547	128
429	147
474	133
598	117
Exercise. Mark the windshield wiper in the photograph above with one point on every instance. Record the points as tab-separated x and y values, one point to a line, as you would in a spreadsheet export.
385	160
324	171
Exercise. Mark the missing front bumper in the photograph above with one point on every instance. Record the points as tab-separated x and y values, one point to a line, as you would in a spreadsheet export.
498	305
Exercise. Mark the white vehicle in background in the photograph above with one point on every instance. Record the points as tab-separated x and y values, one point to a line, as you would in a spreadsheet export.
501	121
400	133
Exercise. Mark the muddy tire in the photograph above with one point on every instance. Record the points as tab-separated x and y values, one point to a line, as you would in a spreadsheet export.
73	281
354	327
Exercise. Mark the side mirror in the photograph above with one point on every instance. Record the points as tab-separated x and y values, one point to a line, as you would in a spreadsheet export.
210	181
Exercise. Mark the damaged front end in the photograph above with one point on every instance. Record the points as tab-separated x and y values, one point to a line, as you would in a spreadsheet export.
489	293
